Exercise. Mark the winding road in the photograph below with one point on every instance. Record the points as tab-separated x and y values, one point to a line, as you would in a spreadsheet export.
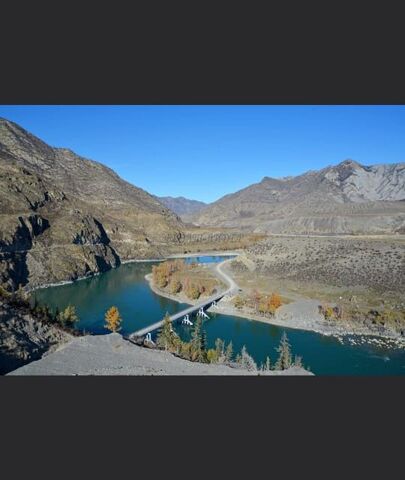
232	289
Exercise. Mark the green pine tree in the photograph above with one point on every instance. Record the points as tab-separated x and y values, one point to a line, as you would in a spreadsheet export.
285	358
166	337
196	340
229	352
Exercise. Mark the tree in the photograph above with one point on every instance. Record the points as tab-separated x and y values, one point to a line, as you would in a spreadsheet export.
198	341
113	319
238	302
166	338
68	317
212	355
246	361
192	292
174	286
285	358
229	352
298	361
267	365
275	301
219	348
256	297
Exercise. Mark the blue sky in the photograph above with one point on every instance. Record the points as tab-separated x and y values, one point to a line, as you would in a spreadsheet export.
205	152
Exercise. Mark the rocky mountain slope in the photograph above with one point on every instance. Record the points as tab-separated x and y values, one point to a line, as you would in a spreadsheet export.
63	216
183	207
347	198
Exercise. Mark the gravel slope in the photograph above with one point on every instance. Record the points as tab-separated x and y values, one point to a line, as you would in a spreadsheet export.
113	355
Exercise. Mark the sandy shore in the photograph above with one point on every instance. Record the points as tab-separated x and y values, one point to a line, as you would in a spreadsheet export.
303	315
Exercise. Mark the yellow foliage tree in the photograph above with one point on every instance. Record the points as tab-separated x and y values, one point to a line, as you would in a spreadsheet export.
113	319
275	301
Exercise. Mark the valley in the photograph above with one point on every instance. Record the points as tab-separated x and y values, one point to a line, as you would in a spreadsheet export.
328	245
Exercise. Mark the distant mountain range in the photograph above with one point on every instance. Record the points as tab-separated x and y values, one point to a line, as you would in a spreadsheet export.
346	198
183	207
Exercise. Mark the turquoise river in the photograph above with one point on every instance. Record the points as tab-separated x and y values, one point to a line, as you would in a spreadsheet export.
126	288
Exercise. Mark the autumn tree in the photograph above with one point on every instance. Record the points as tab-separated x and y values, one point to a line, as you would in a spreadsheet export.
68	317
212	355
192	291
174	286
238	302
275	301
113	319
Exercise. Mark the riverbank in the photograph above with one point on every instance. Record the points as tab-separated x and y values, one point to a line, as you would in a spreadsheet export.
300	314
134	260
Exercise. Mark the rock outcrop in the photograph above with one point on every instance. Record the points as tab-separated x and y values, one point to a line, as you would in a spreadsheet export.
24	338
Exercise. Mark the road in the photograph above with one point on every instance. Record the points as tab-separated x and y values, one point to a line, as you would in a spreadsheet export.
232	288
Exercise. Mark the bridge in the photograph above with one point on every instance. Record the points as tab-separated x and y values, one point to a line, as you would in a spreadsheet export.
198	307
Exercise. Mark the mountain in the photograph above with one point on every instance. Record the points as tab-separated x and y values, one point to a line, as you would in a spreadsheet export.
183	207
346	198
64	216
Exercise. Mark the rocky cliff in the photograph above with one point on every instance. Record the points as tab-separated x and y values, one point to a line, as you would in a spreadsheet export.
346	198
24	338
64	216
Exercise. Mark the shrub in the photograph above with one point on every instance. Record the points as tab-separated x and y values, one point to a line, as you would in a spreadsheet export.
68	317
238	302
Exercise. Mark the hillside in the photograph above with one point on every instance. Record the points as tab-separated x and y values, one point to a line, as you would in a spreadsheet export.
347	198
64	216
183	207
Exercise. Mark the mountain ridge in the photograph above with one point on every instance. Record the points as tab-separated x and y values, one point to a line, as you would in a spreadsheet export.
342	194
183	207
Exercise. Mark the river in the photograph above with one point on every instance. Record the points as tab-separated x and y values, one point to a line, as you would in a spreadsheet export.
126	288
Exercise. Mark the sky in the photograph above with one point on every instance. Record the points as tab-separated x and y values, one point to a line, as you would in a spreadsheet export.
205	152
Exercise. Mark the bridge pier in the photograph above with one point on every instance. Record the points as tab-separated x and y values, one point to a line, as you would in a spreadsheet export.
201	313
186	320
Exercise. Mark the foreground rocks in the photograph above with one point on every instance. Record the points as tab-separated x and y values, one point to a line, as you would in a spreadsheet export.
24	338
113	355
